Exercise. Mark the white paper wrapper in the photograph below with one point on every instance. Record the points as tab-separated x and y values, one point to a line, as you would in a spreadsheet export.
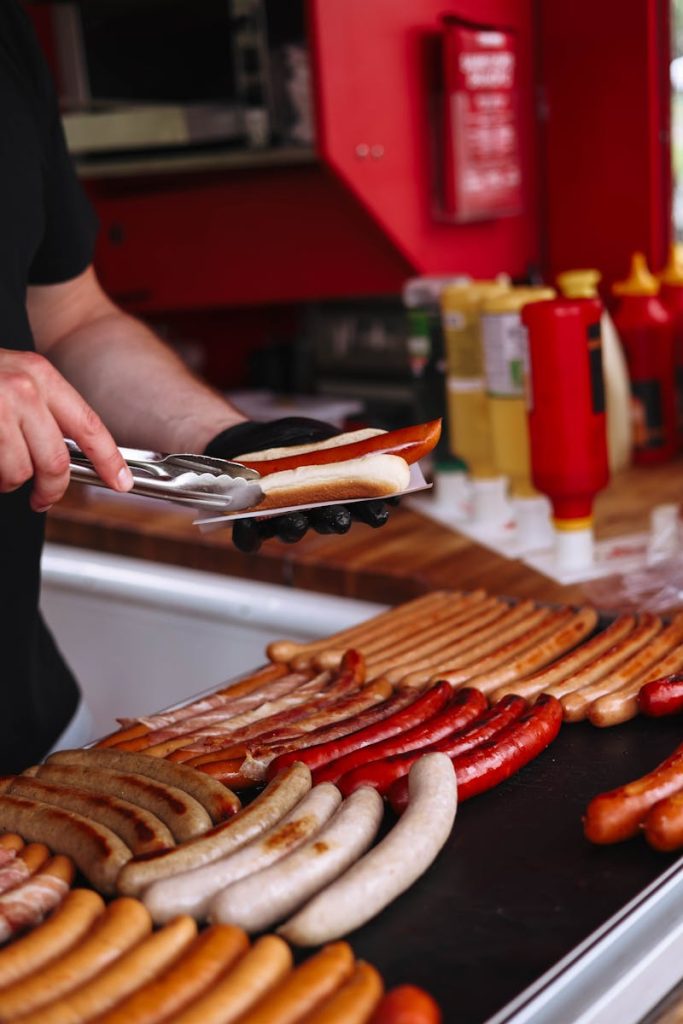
417	483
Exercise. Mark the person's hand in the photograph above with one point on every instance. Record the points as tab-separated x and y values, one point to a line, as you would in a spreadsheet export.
248	534
38	408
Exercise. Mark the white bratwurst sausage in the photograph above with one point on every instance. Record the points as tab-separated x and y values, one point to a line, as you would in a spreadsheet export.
277	799
391	867
192	891
262	899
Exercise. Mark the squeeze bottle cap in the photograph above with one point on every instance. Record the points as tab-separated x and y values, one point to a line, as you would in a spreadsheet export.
534	526
516	299
574	547
579	284
672	273
489	502
640	281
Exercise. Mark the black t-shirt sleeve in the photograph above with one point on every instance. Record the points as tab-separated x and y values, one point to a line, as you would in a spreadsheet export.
70	224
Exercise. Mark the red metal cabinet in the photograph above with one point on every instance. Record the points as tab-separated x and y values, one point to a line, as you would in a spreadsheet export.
358	221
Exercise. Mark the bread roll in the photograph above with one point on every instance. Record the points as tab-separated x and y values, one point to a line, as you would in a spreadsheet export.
301	449
372	476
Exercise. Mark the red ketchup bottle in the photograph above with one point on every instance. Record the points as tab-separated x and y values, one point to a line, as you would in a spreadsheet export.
567	431
671	294
646	331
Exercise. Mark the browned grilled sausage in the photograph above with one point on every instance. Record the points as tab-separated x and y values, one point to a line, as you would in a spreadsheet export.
141	830
97	851
184	816
217	799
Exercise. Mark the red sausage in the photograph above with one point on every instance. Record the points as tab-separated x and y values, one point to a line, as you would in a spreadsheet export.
407	1004
411	443
382	773
465	707
611	817
493	762
662	696
426	705
664	823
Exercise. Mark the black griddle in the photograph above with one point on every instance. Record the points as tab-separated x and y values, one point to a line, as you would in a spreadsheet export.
517	886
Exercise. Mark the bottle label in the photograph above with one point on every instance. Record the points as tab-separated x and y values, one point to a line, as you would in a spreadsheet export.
465	385
646	411
464	352
596	367
506	354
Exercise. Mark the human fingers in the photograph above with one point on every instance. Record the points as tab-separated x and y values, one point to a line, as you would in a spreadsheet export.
331	519
15	460
31	442
245	535
249	534
372	513
76	419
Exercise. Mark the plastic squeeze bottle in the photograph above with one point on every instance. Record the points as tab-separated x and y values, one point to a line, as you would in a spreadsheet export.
583	284
468	415
506	363
646	331
566	407
671	294
425	349
506	357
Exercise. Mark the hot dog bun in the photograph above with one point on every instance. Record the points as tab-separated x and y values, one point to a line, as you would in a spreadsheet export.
372	476
302	449
410	443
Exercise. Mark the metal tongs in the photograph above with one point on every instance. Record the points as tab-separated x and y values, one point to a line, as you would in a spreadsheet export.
197	480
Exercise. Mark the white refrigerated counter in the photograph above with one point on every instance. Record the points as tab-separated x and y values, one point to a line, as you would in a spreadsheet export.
141	636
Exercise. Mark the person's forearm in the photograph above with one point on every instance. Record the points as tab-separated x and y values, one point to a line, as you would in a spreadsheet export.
142	391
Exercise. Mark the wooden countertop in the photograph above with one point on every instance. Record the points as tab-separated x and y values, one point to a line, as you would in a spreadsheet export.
408	556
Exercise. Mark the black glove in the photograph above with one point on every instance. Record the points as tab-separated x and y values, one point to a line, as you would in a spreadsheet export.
248	436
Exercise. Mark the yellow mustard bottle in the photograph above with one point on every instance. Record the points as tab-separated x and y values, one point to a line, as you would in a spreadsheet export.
506	362
468	416
583	284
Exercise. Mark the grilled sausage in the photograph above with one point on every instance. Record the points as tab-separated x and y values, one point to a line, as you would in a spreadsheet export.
98	853
614	816
260	970
192	891
305	988
65	927
283	793
391	867
622	704
139	829
131	732
180	812
196	972
27	904
120	927
218	801
303	654
23	865
133	969
560	633
565	669
261	900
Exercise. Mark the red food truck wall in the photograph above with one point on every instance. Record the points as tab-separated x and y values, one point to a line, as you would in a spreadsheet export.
604	117
594	133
